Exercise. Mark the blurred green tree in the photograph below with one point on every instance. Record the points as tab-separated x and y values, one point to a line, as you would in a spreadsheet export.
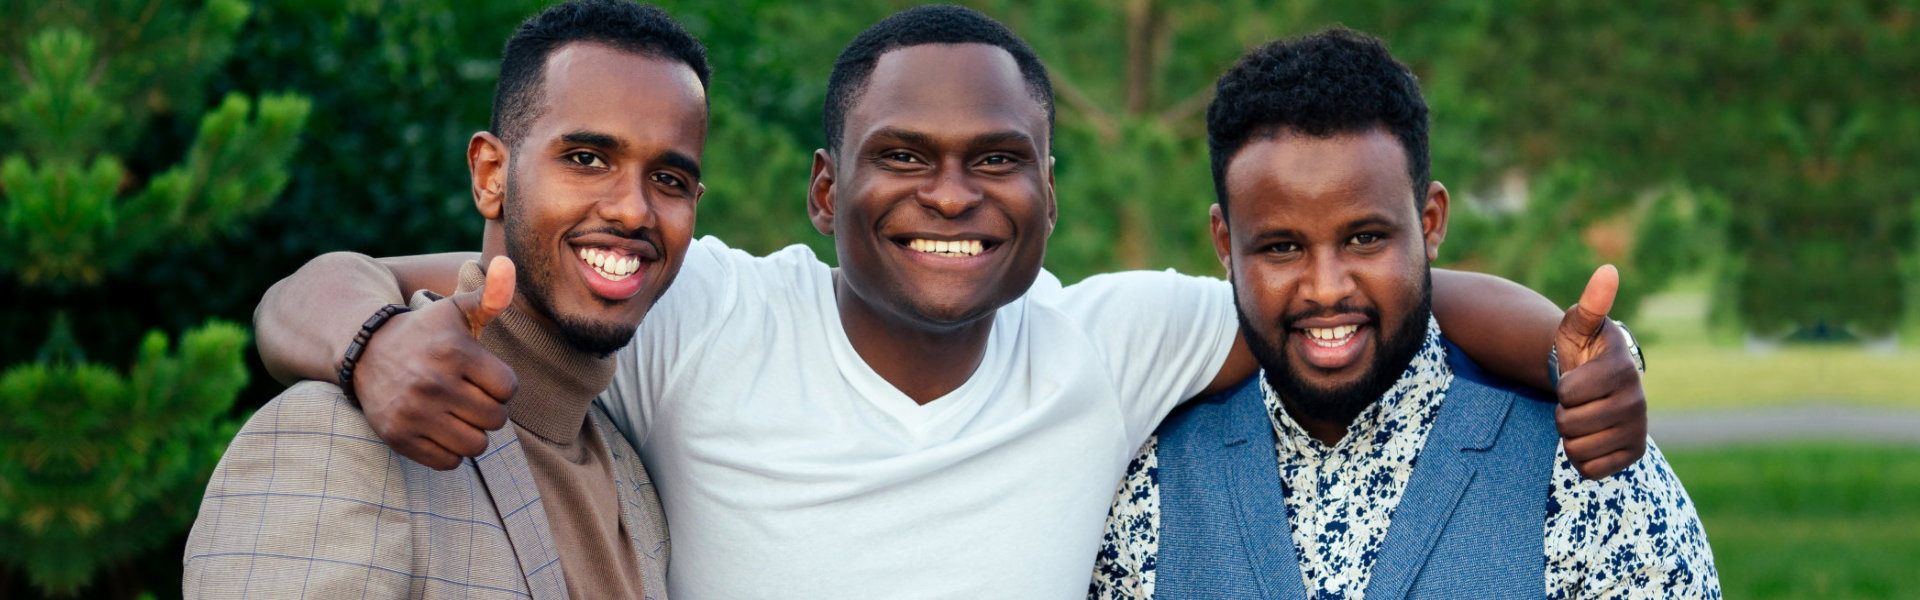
97	465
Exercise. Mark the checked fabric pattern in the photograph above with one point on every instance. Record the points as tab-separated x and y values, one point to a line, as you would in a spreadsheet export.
309	502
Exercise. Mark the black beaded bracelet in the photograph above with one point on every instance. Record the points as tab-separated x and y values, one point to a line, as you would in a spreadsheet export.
359	346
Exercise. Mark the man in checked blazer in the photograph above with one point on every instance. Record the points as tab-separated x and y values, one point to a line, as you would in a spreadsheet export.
588	181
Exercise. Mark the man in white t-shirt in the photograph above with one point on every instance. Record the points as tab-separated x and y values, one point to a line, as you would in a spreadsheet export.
937	417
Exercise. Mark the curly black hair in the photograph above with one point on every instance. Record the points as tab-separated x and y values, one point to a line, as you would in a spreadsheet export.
1333	82
641	29
920	25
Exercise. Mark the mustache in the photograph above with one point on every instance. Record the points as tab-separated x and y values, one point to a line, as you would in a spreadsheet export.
642	234
1343	307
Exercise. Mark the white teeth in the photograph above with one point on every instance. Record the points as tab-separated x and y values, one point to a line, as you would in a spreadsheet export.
610	265
948	248
1332	333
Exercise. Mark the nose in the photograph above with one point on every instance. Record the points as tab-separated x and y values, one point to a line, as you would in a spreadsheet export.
631	208
952	192
1329	280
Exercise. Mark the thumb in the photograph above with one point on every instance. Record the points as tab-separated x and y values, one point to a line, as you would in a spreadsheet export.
1584	320
481	306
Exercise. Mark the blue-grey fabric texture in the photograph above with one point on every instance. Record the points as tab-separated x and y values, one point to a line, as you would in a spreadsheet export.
1468	525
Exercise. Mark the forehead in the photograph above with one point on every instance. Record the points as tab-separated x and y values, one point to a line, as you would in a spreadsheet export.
1308	178
591	86
956	89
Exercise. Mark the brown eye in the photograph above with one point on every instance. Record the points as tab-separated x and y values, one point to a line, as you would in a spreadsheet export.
586	159
670	180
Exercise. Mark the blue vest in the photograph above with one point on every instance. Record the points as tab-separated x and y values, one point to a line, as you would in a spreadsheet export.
1471	523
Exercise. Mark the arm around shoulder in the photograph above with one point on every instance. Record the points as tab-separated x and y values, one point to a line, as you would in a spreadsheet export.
305	322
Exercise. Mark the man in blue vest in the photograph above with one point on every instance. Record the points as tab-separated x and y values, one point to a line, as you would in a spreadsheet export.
1370	458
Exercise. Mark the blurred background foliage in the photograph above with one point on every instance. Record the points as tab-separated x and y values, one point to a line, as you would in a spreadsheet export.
1759	151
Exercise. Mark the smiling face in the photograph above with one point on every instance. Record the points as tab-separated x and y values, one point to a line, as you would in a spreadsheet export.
940	199
599	195
1328	253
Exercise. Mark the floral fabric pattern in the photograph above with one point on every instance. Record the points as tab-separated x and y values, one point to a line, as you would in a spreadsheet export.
1632	535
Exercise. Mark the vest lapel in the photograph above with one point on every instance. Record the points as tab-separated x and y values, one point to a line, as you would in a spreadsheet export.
1254	471
510	484
1470	419
640	509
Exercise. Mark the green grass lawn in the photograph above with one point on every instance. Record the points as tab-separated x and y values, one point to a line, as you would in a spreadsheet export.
1690	367
1829	520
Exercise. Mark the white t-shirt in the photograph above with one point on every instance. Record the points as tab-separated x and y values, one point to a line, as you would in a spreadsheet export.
790	469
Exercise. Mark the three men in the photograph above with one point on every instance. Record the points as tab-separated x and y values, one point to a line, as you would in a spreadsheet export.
1370	458
937	416
588	182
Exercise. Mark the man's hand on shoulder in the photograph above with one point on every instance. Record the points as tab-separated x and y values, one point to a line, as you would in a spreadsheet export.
428	387
1602	415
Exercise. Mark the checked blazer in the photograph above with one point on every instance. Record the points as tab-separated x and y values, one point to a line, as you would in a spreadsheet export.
309	503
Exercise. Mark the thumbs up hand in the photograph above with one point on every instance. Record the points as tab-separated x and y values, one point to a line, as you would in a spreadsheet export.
427	386
1603	408
482	305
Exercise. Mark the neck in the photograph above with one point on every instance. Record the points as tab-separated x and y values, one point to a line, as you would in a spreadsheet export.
922	362
1328	432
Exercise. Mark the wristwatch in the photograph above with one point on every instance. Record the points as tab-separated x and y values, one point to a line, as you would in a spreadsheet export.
1633	350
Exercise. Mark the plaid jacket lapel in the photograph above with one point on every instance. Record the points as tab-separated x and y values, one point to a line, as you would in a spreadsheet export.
509	482
640	510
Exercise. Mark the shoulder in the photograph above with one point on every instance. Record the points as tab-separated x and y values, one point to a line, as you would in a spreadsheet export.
309	418
1470	375
305	469
1208	413
1634	534
1134	288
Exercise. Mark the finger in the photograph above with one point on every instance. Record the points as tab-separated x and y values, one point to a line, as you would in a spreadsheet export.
476	410
460	438
426	452
1584	320
1595	445
1606	466
1607	375
492	376
482	305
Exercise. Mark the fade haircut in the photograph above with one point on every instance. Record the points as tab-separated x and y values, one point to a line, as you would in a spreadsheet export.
641	29
917	26
1338	81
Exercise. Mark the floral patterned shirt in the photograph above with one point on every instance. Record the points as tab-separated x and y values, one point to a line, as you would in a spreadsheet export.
1632	535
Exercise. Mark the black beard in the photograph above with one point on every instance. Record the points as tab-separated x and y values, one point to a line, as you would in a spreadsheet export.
535	269
1341	404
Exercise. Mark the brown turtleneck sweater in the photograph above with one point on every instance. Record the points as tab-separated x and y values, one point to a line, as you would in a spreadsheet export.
570	462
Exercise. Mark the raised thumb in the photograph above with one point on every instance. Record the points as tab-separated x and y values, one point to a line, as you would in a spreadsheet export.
1585	319
493	296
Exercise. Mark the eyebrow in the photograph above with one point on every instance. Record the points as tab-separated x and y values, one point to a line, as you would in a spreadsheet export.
916	138
1288	233
681	161
592	138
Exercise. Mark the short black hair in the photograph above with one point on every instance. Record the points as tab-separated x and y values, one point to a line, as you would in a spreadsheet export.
917	26
641	29
1333	82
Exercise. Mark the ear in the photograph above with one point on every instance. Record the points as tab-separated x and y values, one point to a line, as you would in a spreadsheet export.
820	193
487	167
1053	205
699	191
1222	240
1433	219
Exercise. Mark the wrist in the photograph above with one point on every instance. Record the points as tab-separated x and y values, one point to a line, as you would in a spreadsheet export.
350	359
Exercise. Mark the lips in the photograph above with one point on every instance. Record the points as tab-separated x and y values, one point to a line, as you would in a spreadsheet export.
1331	343
613	266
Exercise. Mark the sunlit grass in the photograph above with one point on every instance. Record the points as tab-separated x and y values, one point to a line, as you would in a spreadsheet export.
1691	367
